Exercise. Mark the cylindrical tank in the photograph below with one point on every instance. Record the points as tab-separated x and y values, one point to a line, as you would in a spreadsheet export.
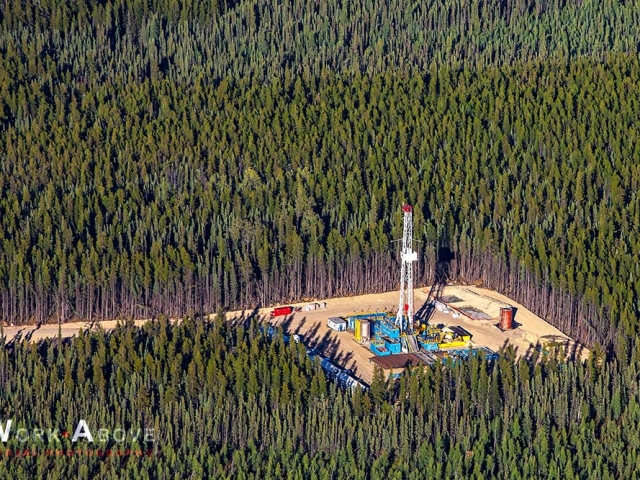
506	318
358	332
365	330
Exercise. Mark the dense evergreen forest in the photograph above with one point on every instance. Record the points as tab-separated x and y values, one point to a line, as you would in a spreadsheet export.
177	158
166	158
226	402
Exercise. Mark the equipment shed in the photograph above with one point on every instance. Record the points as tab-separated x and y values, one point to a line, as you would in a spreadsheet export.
394	365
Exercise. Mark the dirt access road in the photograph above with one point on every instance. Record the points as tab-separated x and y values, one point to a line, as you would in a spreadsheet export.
34	333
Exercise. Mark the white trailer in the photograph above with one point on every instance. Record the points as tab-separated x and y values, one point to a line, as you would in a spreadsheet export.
311	307
336	323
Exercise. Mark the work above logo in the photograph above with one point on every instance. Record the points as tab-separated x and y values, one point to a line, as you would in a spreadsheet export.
81	433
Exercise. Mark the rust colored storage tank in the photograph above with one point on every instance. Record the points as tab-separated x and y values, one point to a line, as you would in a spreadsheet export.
365	330
506	318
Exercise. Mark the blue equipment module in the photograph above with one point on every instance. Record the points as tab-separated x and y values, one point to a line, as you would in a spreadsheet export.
375	316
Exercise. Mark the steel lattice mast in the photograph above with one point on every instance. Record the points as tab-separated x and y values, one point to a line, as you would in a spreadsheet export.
408	256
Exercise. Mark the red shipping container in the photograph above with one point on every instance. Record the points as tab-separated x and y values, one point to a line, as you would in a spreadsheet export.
278	311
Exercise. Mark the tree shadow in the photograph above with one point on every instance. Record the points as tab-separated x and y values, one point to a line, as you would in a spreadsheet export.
325	342
561	348
246	316
18	337
426	311
444	257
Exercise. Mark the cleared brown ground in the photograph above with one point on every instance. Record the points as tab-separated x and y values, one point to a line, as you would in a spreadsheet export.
346	352
342	347
530	329
34	333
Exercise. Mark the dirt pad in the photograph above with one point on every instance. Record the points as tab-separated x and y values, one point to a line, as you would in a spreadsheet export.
530	329
342	348
478	300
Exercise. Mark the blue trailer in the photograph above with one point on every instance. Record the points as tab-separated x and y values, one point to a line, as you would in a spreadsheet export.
394	346
387	329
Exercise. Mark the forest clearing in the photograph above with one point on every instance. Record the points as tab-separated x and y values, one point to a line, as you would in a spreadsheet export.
344	350
178	162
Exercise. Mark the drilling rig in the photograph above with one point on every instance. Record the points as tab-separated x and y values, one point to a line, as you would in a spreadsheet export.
404	317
